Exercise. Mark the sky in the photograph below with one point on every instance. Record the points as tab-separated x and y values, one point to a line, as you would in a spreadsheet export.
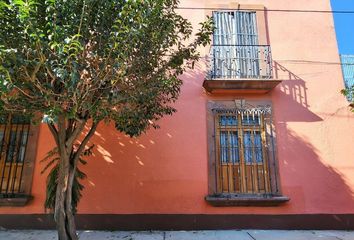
344	24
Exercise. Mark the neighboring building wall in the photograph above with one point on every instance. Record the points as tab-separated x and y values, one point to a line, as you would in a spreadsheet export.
166	171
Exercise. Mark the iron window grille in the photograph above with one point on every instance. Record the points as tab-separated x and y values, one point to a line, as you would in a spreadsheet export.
14	133
244	148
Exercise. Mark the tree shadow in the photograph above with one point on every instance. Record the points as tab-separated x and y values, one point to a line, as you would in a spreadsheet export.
157	171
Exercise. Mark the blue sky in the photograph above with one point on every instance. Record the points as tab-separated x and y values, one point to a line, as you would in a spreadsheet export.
344	24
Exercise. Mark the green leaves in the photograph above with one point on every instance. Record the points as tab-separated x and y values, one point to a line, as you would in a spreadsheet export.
349	93
115	60
72	47
90	61
51	162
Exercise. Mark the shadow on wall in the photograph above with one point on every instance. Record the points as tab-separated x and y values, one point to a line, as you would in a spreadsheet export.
153	168
193	79
110	141
312	185
293	96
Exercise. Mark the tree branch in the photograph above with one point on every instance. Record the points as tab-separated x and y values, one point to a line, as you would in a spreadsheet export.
75	133
62	136
54	132
84	142
35	71
24	93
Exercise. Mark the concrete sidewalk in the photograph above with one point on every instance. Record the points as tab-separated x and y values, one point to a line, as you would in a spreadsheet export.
184	235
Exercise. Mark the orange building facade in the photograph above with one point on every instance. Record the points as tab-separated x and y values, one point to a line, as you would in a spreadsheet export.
262	137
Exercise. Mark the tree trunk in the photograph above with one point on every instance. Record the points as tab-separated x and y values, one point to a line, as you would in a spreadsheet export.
64	215
71	226
60	213
63	212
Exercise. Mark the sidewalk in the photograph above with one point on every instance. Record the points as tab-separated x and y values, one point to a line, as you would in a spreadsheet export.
184	235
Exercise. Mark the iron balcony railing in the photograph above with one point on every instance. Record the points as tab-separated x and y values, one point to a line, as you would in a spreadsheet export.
347	62
240	62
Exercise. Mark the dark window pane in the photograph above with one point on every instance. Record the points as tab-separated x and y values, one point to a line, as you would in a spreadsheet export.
227	120
223	147
3	120
1	138
234	147
11	147
16	119
22	150
247	145
258	147
249	120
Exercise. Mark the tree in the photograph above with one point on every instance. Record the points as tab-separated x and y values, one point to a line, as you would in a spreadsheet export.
349	93
81	62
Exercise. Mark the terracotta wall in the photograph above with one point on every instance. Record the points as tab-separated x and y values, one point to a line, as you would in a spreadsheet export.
165	171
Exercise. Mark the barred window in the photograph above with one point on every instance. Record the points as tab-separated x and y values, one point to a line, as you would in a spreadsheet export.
243	146
243	168
14	133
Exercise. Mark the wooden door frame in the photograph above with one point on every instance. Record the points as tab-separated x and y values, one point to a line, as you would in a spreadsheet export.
271	163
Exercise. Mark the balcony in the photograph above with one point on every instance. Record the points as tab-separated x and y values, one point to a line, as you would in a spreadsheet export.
347	62
240	69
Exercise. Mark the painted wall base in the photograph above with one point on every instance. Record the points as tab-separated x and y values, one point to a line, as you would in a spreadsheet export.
185	221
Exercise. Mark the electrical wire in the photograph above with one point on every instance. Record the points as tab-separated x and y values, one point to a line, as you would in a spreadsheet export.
269	10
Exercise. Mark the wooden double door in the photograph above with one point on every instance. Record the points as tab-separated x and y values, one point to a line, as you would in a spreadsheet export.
242	159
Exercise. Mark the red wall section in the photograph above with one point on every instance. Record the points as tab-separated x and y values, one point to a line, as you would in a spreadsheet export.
165	170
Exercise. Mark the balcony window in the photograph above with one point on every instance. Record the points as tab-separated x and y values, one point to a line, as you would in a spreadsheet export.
237	56
236	52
